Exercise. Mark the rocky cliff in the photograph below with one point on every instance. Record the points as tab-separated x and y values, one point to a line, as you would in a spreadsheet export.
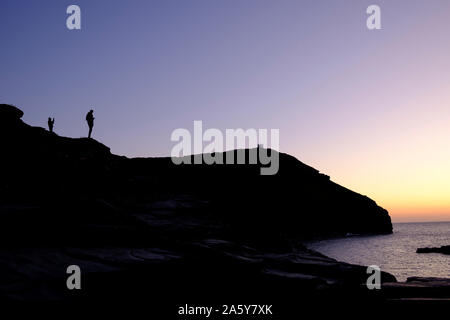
133	223
39	167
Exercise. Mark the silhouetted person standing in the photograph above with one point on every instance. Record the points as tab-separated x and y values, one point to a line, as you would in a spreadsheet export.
90	120
51	123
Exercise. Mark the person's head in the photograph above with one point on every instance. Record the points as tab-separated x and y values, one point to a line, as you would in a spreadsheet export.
91	111
49	119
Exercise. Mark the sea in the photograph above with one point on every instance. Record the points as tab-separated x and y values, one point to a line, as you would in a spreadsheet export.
395	253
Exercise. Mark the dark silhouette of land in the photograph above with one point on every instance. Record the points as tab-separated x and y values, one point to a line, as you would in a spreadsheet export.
136	224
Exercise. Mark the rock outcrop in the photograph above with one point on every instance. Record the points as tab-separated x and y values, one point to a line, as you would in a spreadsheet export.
443	250
9	113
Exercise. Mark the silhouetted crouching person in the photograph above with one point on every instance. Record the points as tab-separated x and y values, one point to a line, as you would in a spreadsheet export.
90	120
51	123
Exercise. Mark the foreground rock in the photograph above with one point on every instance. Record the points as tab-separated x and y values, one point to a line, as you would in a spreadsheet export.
443	250
418	288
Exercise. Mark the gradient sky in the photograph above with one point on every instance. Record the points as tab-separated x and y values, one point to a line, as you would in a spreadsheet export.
369	108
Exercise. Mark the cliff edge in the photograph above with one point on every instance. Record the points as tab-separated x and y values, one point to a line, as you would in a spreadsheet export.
145	229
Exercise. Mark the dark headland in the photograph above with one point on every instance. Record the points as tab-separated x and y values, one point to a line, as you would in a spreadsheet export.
147	229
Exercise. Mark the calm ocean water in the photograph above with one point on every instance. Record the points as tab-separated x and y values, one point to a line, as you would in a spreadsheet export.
395	253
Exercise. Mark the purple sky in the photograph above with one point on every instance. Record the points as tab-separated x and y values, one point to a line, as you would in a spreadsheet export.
359	105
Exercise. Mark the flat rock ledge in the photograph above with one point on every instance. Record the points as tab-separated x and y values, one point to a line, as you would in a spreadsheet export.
443	250
418	288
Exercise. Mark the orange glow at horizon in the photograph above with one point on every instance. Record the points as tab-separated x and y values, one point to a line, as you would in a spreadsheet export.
404	167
